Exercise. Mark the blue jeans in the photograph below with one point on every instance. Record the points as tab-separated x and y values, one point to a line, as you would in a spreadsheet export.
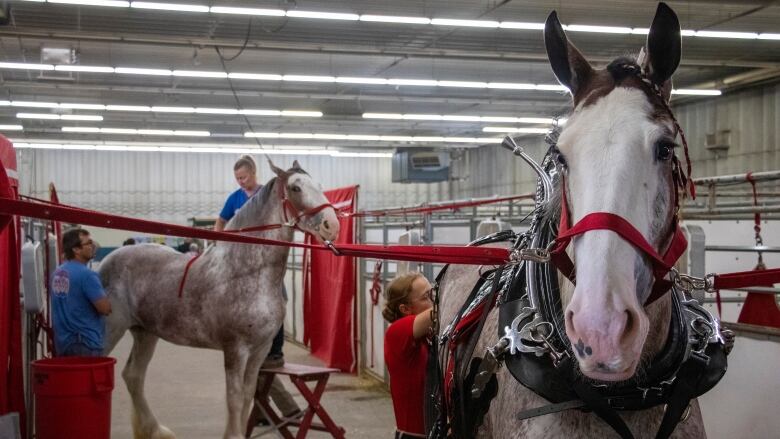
79	349
276	345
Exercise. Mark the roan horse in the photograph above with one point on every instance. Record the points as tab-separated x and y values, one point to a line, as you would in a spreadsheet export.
231	300
616	153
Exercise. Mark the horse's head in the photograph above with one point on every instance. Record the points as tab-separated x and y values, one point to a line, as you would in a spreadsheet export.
305	203
617	156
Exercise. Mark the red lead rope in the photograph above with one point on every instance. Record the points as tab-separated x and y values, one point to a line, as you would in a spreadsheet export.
439	254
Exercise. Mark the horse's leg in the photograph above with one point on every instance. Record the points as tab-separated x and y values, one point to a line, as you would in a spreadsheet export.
236	358
145	424
117	324
250	384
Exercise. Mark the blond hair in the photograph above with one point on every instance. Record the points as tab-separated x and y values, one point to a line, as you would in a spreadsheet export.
397	294
246	161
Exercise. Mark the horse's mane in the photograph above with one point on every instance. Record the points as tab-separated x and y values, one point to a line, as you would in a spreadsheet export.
243	218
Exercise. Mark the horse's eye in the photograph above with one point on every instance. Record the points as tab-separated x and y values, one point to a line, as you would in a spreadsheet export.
295	189
664	150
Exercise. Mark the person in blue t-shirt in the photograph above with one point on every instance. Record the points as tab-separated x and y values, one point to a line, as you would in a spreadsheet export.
78	302
245	171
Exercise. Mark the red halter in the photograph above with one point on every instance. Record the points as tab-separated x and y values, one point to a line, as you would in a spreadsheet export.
619	225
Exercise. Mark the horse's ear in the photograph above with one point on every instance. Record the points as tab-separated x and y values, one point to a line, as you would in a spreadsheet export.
663	48
278	171
568	64
296	165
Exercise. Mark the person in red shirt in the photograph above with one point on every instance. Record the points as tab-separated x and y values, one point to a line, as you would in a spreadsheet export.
408	309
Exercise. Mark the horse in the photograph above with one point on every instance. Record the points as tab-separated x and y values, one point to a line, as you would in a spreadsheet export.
615	154
228	299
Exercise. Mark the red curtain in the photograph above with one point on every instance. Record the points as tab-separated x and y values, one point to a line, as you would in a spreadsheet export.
11	380
330	289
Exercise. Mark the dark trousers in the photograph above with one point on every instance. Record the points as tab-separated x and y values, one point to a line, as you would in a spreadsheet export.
276	345
399	435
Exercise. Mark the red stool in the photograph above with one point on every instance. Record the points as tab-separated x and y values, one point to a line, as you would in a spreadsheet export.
299	375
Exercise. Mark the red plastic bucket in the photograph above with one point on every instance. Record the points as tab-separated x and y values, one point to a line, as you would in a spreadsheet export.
73	397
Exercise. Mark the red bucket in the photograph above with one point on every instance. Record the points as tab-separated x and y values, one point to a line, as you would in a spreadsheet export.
73	397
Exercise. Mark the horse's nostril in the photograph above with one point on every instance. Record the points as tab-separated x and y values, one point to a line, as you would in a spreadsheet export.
325	224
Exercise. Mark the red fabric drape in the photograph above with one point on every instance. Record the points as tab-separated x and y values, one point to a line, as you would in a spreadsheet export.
11	378
329	311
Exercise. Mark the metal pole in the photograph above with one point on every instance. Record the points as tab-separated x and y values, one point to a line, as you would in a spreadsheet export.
738	178
428	240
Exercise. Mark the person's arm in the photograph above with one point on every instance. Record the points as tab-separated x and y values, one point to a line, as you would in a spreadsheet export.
103	306
219	224
422	324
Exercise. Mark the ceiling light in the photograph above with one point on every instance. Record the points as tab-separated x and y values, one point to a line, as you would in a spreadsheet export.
597	29
173	109
140	71
395	19
293	113
464	23
52	116
458	118
308	78
110	3
463	84
358	80
511	85
82	106
516	130
769	36
11	128
88	69
143	132
169	6
521	25
371	137
37	116
128	108
216	110
199	74
696	92
415	82
734	35
33	104
247	11
201	149
255	76
323	15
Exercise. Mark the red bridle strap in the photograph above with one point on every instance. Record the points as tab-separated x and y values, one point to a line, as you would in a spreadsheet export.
616	224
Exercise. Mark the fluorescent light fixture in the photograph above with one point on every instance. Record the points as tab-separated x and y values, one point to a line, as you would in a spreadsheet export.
550	87
109	3
169	6
162	109
255	76
11	127
323	15
462	84
140	71
358	80
769	36
143	132
216	110
25	66
52	116
458	118
598	29
294	113
511	85
251	112
687	33
34	104
92	117
696	92
464	23
521	25
247	11
219	149
395	19
308	78
372	137
640	30
87	69
199	74
128	108
38	116
414	82
516	130
732	35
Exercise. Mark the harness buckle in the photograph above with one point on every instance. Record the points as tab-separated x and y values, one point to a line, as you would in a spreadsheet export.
689	283
332	248
539	255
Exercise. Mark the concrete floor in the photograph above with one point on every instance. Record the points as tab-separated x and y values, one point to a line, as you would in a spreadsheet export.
186	389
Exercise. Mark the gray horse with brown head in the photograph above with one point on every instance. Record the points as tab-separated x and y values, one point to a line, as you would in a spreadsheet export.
231	299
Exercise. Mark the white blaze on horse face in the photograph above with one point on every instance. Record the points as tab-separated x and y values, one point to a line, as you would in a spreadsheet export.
305	195
609	148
